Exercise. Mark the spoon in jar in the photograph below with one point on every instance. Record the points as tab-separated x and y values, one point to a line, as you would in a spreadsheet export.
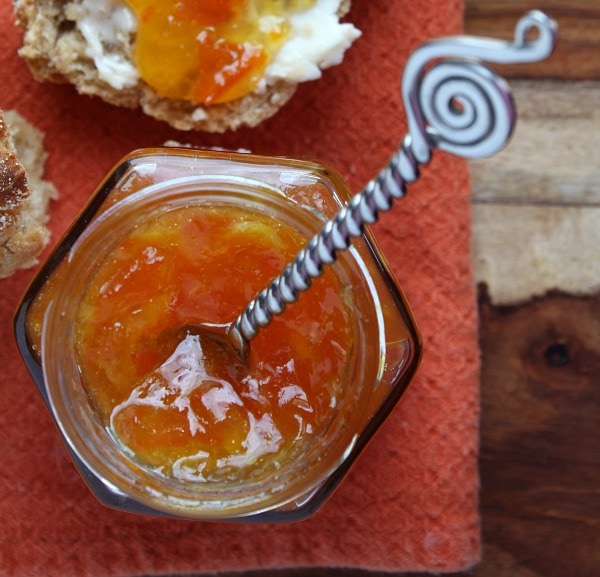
457	105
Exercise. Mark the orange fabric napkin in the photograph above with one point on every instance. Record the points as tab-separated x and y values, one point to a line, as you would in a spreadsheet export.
410	503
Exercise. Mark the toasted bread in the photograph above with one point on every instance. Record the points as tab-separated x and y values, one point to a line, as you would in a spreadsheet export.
24	195
56	49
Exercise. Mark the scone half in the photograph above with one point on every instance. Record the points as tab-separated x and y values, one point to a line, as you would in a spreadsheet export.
91	44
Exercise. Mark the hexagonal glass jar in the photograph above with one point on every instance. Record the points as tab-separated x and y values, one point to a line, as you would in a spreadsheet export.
383	357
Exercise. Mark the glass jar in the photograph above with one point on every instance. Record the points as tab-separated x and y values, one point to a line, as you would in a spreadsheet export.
377	351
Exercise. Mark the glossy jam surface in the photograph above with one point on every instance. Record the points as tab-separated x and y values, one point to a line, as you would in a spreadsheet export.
167	395
209	51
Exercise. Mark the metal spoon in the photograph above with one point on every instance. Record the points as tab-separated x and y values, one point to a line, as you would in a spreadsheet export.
453	103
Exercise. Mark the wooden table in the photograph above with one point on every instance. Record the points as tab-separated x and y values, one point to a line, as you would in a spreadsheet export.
536	250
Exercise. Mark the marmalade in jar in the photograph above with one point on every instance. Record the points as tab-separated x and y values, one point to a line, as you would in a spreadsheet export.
166	394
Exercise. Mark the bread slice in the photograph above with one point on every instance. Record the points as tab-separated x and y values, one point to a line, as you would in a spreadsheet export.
56	50
24	195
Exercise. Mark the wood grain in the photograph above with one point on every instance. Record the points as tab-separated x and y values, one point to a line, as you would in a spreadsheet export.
554	154
540	454
576	56
523	250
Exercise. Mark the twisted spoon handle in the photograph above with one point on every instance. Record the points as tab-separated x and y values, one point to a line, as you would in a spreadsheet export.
453	103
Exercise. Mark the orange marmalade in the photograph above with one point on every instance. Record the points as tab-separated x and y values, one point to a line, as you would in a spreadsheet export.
166	394
209	51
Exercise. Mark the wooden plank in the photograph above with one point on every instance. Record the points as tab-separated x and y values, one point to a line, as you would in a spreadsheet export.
521	251
578	50
536	205
540	451
554	154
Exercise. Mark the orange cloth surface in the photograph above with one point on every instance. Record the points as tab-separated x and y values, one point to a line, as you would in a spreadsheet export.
410	502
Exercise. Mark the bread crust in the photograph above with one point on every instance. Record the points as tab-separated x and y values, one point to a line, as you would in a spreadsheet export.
55	51
23	211
14	189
